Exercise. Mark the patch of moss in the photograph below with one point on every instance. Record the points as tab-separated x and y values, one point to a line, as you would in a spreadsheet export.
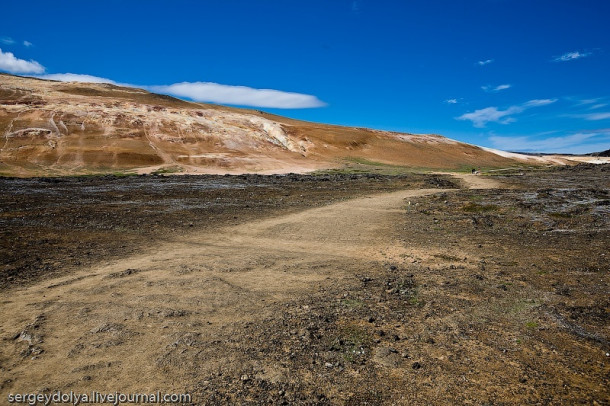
167	170
479	208
351	341
354	303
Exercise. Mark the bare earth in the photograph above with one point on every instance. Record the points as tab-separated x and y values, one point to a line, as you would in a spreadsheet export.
363	301
50	128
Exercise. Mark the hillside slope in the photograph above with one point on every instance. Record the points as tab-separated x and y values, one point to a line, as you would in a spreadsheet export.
53	128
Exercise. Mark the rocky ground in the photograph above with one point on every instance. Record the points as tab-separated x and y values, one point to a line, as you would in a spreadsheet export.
495	295
503	299
50	226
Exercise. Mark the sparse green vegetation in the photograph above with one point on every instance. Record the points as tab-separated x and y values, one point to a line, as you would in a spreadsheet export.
479	208
122	174
354	165
352	303
167	170
413	298
364	161
522	306
351	342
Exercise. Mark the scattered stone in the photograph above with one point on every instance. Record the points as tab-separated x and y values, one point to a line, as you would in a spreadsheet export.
387	357
126	272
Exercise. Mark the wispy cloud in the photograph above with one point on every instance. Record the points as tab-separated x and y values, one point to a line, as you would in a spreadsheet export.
481	117
591	116
211	92
538	102
451	101
596	116
593	104
586	101
577	143
240	95
76	77
586	104
12	64
11	41
570	56
493	89
356	6
485	62
7	40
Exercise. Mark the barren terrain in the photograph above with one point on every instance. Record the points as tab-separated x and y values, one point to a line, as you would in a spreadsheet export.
53	128
332	289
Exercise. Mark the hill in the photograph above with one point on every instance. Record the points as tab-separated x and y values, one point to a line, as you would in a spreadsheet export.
56	128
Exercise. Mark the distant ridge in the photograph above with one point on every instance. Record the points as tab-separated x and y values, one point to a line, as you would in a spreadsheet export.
605	153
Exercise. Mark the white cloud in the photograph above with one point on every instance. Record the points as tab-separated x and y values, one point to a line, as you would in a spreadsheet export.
496	89
588	101
481	117
211	92
570	56
451	101
539	102
577	143
588	104
75	77
9	63
596	116
485	62
27	44
239	95
7	40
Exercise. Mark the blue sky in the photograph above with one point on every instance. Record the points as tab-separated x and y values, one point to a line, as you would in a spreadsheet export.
527	75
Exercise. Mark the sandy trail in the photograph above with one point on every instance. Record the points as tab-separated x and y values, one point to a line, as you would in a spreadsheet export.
158	321
472	181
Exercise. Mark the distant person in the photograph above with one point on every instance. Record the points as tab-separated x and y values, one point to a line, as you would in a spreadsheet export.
474	171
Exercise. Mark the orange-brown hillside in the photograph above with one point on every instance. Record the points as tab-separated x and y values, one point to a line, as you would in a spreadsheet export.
53	127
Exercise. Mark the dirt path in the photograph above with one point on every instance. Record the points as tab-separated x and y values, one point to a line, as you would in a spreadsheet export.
155	322
472	181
